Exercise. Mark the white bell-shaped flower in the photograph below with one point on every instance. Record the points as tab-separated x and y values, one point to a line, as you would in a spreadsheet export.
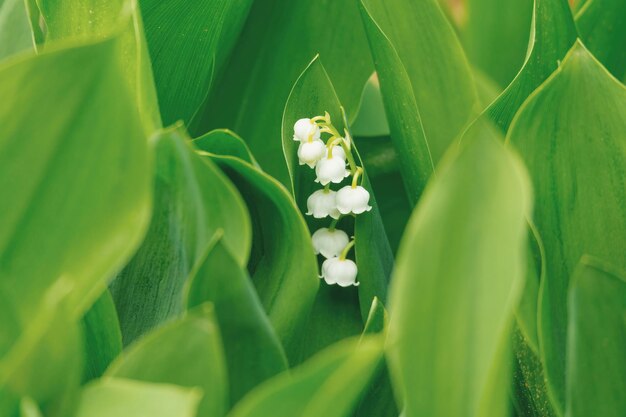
353	200
322	203
332	168
304	129
330	242
311	152
339	271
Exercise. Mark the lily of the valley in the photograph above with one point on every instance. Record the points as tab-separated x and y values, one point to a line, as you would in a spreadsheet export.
311	152
353	199
340	271
322	203
332	167
330	242
306	130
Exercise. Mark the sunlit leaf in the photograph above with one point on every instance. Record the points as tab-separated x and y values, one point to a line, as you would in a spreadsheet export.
571	134
15	33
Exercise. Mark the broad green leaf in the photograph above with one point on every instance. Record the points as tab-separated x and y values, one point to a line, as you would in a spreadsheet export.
102	336
283	269
530	392
45	362
601	26
495	36
252	349
192	200
571	134
312	95
87	20
458	276
29	408
188	353
552	34
75	196
596	367
404	34
114	397
279	39
15	33
187	41
328	384
371	119
225	142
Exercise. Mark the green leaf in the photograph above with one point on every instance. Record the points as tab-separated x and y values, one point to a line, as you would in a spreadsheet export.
102	336
192	199
552	34
440	96
187	352
596	341
495	36
371	120
253	352
225	142
15	33
327	385
278	40
45	361
89	20
283	270
119	397
75	196
313	94
458	276
571	136
187	42
601	26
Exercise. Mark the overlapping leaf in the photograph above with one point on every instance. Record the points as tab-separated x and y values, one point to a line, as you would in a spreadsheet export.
193	199
187	353
252	350
457	279
278	40
283	269
15	33
571	134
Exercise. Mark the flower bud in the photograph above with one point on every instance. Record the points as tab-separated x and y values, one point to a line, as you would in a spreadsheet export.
305	128
330	243
322	204
332	169
353	200
339	271
311	152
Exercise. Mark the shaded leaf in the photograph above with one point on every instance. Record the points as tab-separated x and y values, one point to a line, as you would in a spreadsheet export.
59	188
571	136
552	34
114	397
596	368
187	353
225	142
371	119
251	347
327	385
192	200
473	213
278	40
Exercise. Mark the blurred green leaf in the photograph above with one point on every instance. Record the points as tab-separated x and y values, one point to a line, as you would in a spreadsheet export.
102	336
227	143
571	134
74	197
89	20
596	367
328	384
371	119
279	39
15	33
403	35
187	42
313	94
187	352
29	408
601	26
458	275
495	36
114	397
192	200
552	34
45	362
252	349
282	263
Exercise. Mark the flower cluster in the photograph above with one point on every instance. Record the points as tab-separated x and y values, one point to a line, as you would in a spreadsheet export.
333	162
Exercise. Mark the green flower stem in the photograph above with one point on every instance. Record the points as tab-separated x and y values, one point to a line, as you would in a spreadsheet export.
345	251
